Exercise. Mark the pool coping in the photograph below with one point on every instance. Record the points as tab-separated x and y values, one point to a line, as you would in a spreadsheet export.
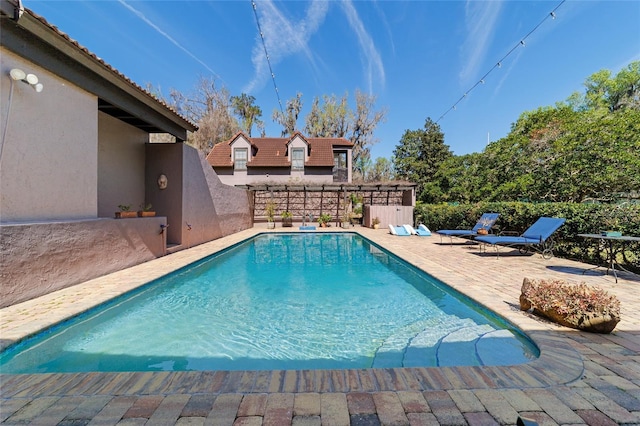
558	363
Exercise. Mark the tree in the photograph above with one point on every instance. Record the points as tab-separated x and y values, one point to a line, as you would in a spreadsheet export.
361	168
460	178
418	156
365	121
332	119
611	93
208	106
381	171
244	108
289	120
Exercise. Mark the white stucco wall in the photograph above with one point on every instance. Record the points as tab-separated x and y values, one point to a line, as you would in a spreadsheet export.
49	147
298	142
121	164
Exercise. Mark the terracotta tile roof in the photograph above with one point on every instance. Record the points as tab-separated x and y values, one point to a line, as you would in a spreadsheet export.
271	152
103	63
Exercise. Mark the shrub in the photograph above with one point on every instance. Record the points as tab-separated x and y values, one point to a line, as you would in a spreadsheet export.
517	216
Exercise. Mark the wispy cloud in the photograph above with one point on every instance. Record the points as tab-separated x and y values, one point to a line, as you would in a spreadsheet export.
167	36
283	38
372	62
480	20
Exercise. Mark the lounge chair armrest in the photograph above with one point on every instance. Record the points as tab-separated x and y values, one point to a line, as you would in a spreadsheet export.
509	233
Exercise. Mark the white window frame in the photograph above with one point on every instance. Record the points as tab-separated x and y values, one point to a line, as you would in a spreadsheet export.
240	164
297	163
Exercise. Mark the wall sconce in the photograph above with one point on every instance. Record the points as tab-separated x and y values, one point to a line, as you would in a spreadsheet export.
31	79
163	181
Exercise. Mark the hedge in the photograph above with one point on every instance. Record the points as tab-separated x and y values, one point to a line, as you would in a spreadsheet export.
518	216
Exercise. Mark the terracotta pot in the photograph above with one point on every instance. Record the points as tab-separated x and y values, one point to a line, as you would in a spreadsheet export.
123	215
143	213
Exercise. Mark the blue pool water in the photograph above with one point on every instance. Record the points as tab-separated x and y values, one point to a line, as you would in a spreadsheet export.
283	301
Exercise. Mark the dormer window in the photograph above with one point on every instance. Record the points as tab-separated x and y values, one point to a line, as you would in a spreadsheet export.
240	156
297	159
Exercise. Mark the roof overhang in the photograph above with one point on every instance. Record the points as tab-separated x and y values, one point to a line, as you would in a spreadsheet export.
40	43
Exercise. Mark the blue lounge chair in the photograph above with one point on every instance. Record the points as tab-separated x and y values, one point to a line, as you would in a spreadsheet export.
398	230
486	221
536	237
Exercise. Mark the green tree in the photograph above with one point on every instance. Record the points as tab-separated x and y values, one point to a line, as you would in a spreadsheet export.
334	119
461	178
331	119
418	156
610	92
247	112
381	170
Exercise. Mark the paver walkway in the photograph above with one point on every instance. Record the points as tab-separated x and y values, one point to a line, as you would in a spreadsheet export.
580	378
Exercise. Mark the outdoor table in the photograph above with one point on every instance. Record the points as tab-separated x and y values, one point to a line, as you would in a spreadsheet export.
609	249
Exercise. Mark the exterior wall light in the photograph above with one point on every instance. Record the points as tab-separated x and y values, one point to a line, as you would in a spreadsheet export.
30	79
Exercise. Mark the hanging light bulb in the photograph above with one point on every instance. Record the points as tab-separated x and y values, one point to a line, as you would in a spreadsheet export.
522	42
17	74
32	79
553	15
38	87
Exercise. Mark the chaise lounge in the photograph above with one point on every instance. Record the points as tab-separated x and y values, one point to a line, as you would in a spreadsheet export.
421	230
537	236
486	221
398	230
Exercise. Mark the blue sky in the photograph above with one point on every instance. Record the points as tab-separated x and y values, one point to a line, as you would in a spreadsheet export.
417	57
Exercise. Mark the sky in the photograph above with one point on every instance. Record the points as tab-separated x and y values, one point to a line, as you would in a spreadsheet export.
420	59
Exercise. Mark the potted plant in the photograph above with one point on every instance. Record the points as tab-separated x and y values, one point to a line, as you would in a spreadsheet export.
346	220
270	211
125	212
484	229
145	210
324	220
287	219
375	223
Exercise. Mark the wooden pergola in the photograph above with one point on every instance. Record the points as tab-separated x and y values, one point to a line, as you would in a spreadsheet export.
328	198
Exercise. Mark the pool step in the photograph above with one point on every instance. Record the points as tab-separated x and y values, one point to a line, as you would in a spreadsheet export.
450	342
509	348
460	347
416	343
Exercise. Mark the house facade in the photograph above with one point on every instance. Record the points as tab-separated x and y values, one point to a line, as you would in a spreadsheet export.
76	145
244	160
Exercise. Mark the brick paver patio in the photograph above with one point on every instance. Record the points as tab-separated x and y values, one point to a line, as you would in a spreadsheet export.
580	378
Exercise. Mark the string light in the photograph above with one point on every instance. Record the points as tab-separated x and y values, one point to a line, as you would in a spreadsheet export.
498	64
266	54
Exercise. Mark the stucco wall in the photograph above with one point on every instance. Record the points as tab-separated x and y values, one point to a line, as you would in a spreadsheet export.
39	258
49	151
121	164
198	206
225	210
276	175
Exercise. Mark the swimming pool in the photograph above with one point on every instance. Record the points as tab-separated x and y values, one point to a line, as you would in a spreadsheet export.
285	301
